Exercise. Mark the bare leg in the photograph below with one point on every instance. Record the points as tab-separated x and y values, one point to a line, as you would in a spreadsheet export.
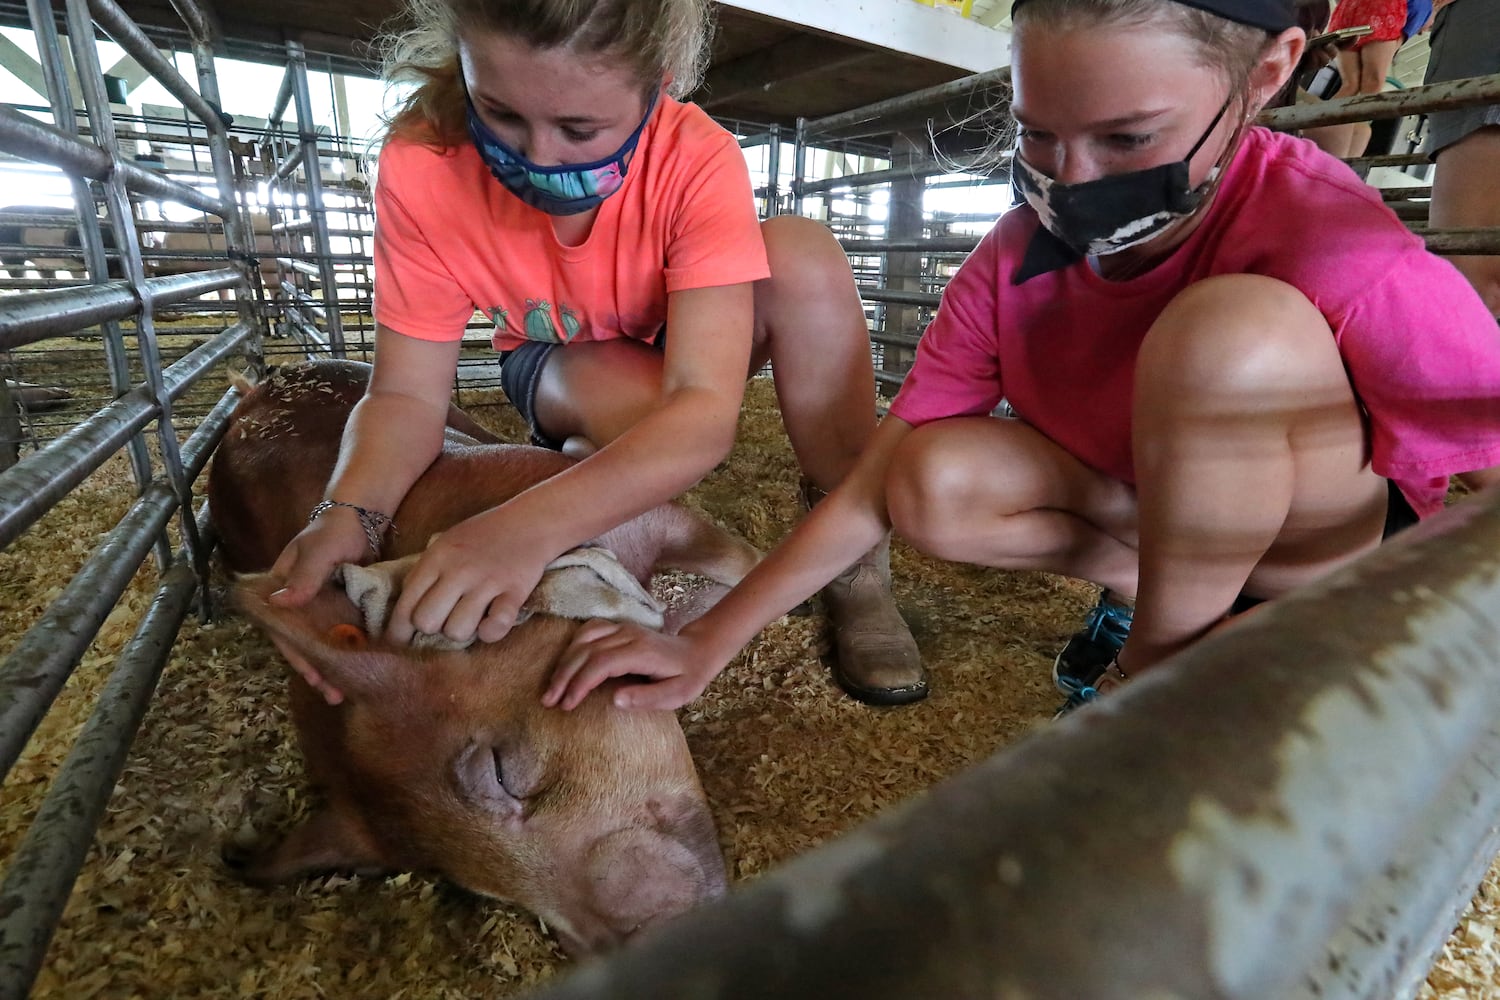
810	326
1374	67
591	393
1336	140
999	493
1464	194
1249	457
808	323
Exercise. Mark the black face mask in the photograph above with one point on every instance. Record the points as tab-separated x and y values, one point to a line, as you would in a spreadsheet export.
1112	213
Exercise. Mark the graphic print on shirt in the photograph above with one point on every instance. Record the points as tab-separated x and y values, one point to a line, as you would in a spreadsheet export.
539	324
570	323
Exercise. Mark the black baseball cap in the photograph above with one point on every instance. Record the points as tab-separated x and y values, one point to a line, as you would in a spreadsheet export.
1274	16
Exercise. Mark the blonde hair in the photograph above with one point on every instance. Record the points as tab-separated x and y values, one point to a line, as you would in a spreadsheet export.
658	39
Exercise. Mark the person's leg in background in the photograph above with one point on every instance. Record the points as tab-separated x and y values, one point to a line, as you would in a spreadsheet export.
1466	195
1362	71
1465	144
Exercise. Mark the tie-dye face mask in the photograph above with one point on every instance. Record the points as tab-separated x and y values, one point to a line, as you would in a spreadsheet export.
567	189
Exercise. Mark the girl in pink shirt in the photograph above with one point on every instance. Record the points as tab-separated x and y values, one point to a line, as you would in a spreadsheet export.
543	173
1231	368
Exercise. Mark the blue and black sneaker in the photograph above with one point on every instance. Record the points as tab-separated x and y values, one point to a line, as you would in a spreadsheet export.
1091	650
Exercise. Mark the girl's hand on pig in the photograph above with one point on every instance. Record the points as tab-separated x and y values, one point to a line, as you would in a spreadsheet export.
310	559
470	581
673	669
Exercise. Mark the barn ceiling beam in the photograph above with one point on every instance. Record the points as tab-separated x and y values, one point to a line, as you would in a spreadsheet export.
775	66
898	25
20	63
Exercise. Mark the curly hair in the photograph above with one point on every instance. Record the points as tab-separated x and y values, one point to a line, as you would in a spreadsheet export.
657	38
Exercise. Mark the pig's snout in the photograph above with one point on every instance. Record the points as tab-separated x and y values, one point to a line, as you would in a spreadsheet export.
636	878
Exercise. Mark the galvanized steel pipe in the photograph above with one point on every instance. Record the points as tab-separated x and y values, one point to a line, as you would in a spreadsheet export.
929	244
932	168
1461	241
134	41
313	171
283	98
37	668
30	487
908	102
289	166
31	316
870	294
200	22
60	97
30	139
41	873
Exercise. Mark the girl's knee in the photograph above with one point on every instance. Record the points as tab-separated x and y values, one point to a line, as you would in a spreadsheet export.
935	490
810	294
802	252
923	489
1235	332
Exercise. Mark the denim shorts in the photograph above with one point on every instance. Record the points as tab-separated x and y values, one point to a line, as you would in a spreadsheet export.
521	372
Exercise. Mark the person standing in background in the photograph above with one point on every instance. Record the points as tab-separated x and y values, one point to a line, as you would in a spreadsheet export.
1465	144
1363	64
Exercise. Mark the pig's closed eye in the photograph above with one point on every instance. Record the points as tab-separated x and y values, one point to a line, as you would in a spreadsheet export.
480	771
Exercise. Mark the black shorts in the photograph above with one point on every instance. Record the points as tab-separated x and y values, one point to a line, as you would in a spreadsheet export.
1398	517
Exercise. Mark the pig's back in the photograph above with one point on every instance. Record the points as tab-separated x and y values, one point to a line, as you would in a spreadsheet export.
283	441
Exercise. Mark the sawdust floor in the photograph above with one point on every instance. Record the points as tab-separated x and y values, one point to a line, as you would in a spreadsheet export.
787	762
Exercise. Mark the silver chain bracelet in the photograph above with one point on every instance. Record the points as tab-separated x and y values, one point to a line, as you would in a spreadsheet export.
373	521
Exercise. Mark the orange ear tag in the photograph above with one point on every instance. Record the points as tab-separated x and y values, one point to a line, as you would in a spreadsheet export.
349	637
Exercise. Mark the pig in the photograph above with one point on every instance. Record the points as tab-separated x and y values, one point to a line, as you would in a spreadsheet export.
446	761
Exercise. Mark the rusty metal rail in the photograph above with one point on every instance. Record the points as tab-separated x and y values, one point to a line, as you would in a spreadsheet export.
1446	96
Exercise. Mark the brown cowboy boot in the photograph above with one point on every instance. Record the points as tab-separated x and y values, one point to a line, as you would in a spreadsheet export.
876	659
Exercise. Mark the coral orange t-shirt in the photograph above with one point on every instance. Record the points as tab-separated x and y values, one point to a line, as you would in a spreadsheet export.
449	239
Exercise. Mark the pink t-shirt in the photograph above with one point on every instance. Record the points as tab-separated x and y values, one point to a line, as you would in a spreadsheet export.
1422	352
449	239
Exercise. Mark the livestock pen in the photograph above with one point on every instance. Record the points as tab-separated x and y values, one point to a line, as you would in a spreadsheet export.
141	737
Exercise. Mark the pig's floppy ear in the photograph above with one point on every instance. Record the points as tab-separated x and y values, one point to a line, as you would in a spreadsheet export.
324	632
589	582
